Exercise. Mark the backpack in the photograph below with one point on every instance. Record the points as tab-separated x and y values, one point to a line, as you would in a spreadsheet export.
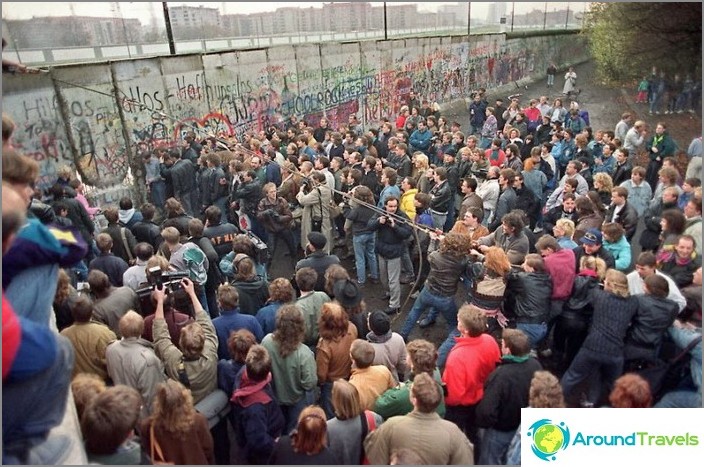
195	260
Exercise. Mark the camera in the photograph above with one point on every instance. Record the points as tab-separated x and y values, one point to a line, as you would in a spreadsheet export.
156	278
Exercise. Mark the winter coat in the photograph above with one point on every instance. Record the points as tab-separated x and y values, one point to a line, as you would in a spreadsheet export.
530	294
389	240
315	203
506	392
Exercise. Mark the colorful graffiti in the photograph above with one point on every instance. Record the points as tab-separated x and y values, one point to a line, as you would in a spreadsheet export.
371	79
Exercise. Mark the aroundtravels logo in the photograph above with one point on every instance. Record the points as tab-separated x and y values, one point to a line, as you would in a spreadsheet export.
548	438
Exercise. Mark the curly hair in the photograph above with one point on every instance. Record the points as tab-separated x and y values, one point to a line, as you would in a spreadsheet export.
456	244
545	391
63	287
496	261
172	409
631	391
423	355
281	290
607	183
333	321
239	343
290	329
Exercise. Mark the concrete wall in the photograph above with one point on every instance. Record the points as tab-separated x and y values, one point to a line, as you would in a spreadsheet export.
93	116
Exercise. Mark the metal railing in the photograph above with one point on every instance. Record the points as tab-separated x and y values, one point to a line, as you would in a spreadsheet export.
553	16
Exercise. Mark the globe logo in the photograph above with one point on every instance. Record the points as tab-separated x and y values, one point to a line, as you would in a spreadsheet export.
548	438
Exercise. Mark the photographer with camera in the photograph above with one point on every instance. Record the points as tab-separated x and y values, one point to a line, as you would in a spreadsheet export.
177	309
194	362
188	257
248	193
315	197
274	214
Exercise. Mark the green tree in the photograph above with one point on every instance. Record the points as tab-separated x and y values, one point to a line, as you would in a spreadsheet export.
628	39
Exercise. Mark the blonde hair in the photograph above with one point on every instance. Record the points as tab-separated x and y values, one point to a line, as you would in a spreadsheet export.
545	391
345	400
617	283
131	324
192	340
567	225
592	263
606	181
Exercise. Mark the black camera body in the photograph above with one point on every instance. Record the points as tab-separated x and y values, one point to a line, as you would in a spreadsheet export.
169	279
307	184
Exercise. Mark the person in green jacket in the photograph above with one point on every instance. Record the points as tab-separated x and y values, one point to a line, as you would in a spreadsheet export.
422	357
659	146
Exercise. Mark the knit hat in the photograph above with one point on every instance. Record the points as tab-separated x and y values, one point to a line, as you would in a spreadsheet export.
318	240
379	323
347	293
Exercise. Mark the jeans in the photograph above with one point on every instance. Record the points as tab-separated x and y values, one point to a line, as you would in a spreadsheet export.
494	446
655	102
390	275
186	202
326	399
291	412
433	303
202	297
272	240
450	219
157	194
535	332
601	369
223	205
680	399
551	80
406	263
364	256
31	407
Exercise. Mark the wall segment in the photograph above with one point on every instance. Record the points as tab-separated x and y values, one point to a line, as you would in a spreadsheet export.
93	116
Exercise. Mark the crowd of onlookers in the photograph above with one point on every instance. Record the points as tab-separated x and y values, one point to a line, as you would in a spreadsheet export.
544	245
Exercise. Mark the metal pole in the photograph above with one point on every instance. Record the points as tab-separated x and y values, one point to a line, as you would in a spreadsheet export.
169	32
469	18
513	10
545	16
567	17
386	27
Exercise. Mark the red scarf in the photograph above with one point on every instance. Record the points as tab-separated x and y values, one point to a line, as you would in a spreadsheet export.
250	393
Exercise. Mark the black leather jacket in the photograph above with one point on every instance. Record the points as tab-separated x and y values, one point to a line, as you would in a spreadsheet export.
530	293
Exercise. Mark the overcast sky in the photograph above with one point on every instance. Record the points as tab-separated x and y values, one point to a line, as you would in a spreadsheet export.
145	10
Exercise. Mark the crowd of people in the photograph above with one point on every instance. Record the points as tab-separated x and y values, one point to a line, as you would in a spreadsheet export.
564	270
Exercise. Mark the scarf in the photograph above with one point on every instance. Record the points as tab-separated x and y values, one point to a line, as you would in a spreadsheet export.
250	393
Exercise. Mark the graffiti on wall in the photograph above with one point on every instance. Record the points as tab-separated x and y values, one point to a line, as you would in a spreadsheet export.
265	89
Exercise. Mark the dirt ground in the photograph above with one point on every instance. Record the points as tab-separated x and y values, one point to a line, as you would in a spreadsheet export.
605	106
